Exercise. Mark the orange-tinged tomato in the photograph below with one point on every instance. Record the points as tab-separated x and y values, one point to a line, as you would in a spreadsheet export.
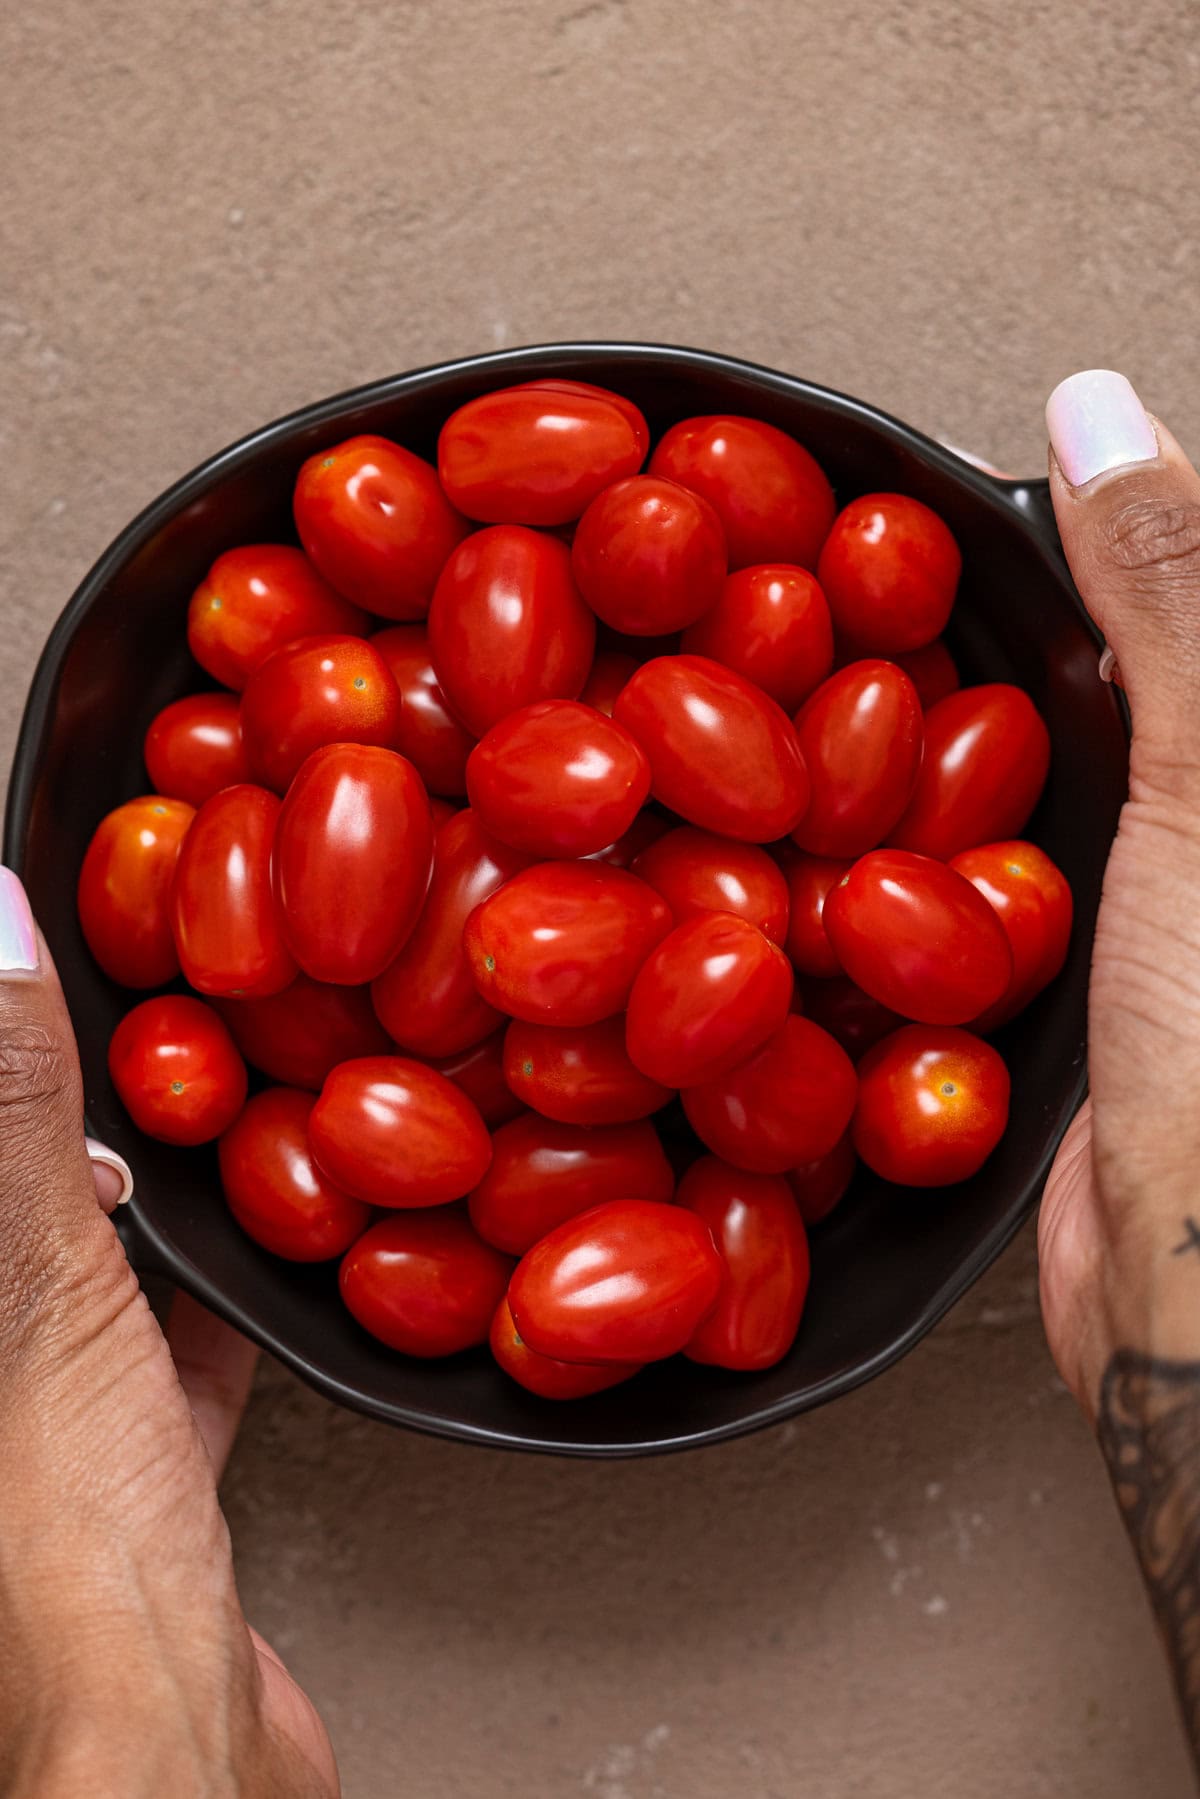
125	890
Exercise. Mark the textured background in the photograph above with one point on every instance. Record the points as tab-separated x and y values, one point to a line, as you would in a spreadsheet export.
214	212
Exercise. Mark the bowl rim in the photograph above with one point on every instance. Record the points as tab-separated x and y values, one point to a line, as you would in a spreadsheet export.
1024	503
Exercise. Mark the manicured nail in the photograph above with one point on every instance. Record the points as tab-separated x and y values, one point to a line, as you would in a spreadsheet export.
18	935
1108	665
111	1173
1097	423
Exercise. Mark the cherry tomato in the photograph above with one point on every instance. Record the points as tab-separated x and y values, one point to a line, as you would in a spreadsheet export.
918	937
561	942
223	914
535	455
557	779
861	736
297	1036
705	999
772	625
318	691
507	626
543	1172
395	1133
646	829
1032	900
441	811
125	890
479	1073
427	999
254	600
353	857
932	671
932	1106
698	872
628	1281
809	881
176	1070
423	1283
788	1104
626	408
274	1189
427	732
375	521
580	1074
541	1374
610	671
649	556
769	493
987	751
850	1016
819	1186
890	571
194	747
722	754
761	1240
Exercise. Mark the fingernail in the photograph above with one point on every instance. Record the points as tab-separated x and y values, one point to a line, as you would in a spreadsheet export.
111	1173
1096	424
18	934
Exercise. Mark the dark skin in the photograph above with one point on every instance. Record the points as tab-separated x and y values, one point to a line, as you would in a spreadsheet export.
118	1434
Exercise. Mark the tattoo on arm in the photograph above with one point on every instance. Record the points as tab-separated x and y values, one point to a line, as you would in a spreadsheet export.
1149	1430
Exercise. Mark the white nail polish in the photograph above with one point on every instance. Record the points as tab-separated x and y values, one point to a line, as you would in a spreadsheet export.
100	1152
1097	424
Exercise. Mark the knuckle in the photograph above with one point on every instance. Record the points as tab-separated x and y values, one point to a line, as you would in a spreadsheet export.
1149	536
35	1070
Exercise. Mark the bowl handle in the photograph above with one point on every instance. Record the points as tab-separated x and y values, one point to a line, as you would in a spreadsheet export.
1032	500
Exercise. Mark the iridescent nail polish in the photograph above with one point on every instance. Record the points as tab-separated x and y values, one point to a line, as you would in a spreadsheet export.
18	934
1097	424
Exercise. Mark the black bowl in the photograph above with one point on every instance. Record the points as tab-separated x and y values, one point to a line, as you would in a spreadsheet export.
889	1263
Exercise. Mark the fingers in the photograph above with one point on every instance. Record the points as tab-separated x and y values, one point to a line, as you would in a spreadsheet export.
215	1365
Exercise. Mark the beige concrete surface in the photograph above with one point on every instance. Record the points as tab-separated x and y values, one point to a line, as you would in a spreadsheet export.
213	212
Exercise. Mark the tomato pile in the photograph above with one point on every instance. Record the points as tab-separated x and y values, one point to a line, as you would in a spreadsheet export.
565	786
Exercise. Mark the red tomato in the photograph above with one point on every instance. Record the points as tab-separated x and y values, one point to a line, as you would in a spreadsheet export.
353	857
427	733
698	872
423	1283
987	751
176	1070
918	937
507	626
557	779
890	571
543	1172
646	829
628	1281
297	1036
441	811
770	495
223	915
1032	900
760	1238
809	881
541	1374
479	1073
427	998
851	1016
318	691
375	521
819	1186
610	671
722	754
534	455
394	1133
194	747
932	671
704	1000
932	1106
861	735
274	1189
125	890
772	625
788	1104
649	556
579	1075
638	425
254	600
561	942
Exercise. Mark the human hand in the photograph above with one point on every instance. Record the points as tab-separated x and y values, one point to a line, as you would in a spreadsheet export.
128	1667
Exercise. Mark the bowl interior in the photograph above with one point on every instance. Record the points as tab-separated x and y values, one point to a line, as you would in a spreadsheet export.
889	1263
